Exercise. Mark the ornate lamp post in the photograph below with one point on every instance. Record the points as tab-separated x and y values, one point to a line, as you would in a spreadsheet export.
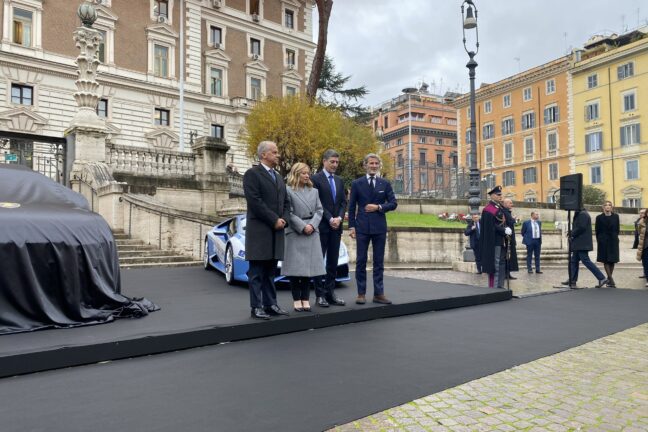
410	181
469	18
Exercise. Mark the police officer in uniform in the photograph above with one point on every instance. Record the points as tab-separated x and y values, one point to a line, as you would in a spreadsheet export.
493	239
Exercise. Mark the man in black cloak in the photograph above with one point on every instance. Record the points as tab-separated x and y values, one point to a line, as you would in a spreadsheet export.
493	239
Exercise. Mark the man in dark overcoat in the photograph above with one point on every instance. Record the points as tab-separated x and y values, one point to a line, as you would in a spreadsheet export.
473	231
492	240
581	244
268	210
333	198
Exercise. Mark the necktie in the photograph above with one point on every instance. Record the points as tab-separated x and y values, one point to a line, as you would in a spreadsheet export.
272	174
477	229
332	185
371	182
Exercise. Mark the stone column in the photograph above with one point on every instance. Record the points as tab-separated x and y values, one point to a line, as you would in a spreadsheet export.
86	134
211	173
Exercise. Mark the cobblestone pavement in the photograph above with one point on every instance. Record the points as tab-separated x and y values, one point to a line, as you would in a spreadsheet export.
599	386
527	284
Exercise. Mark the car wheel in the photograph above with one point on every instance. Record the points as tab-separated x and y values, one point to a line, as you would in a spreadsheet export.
229	265
206	264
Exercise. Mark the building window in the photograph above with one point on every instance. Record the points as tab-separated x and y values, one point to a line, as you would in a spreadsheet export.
592	81
385	122
399	141
551	114
529	175
421	140
255	7
439	159
101	49
255	47
629	101
632	169
488	107
22	27
551	86
452	122
553	171
161	8
488	156
423	180
161	61
552	143
255	88
508	151
632	202
162	117
290	58
526	94
508	178
102	108
528	148
399	159
289	19
592	111
528	120
216	35
508	126
625	70
422	158
291	91
218	131
593	142
436	120
506	100
216	82
439	179
630	134
488	131
595	174
22	94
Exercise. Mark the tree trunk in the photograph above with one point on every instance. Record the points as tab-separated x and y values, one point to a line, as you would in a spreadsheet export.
324	11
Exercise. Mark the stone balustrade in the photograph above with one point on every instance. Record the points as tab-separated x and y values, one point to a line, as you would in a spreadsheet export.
149	162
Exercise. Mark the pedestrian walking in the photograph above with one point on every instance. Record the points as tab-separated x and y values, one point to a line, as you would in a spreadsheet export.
642	245
607	229
532	239
473	231
581	244
493	239
303	259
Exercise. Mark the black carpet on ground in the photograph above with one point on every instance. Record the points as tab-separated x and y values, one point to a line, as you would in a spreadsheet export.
323	377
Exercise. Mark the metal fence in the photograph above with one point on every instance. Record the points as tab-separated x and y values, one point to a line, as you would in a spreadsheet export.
45	155
430	180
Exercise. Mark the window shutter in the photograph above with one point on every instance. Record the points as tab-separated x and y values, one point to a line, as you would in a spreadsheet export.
546	116
623	136
620	72
557	113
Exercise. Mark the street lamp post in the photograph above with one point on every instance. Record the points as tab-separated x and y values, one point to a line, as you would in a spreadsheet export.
410	182
469	17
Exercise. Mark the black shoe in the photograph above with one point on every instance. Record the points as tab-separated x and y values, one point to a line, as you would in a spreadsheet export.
335	300
321	302
479	272
573	286
259	313
538	272
530	271
601	283
642	277
568	282
275	310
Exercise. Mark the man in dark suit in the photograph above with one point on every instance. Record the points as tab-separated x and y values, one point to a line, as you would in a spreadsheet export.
473	231
371	197
532	239
580	245
268	210
333	199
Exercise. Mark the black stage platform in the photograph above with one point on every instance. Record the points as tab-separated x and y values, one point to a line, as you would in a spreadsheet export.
199	308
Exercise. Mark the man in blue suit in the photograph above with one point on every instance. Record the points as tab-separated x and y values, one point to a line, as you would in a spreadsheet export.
371	197
532	238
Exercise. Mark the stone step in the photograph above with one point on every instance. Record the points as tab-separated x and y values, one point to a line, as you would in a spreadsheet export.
123	242
121	236
152	259
145	253
156	264
132	248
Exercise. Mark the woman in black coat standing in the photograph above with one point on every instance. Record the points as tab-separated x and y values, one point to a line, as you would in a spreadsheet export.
607	237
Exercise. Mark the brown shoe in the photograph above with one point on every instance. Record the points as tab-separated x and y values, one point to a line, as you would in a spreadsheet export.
361	299
381	299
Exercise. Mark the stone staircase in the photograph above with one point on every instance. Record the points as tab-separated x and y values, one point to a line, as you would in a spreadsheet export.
135	254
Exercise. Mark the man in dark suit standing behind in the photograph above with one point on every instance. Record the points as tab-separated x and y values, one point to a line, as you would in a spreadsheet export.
371	197
473	231
532	239
268	210
333	199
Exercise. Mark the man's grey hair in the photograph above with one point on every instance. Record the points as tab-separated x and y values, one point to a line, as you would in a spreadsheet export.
507	200
370	156
264	147
330	153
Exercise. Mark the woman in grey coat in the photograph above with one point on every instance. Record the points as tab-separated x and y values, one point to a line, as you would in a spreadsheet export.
303	258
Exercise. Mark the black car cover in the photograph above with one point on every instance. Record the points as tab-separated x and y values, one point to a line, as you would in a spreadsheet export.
58	260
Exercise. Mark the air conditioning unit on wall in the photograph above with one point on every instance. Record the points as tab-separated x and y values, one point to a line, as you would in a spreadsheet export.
162	19
217	3
255	17
255	56
217	45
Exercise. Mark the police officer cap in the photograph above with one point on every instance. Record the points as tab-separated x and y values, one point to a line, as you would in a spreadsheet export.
497	190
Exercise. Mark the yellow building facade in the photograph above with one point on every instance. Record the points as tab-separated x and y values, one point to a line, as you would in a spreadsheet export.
610	116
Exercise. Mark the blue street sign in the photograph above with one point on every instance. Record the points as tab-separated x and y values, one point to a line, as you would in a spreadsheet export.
10	157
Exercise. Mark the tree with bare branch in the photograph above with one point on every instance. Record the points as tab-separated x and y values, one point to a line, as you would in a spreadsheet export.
324	11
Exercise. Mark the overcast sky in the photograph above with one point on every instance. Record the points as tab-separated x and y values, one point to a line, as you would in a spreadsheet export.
389	45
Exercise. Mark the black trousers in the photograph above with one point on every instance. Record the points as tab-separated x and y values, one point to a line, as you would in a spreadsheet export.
300	286
261	283
330	240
